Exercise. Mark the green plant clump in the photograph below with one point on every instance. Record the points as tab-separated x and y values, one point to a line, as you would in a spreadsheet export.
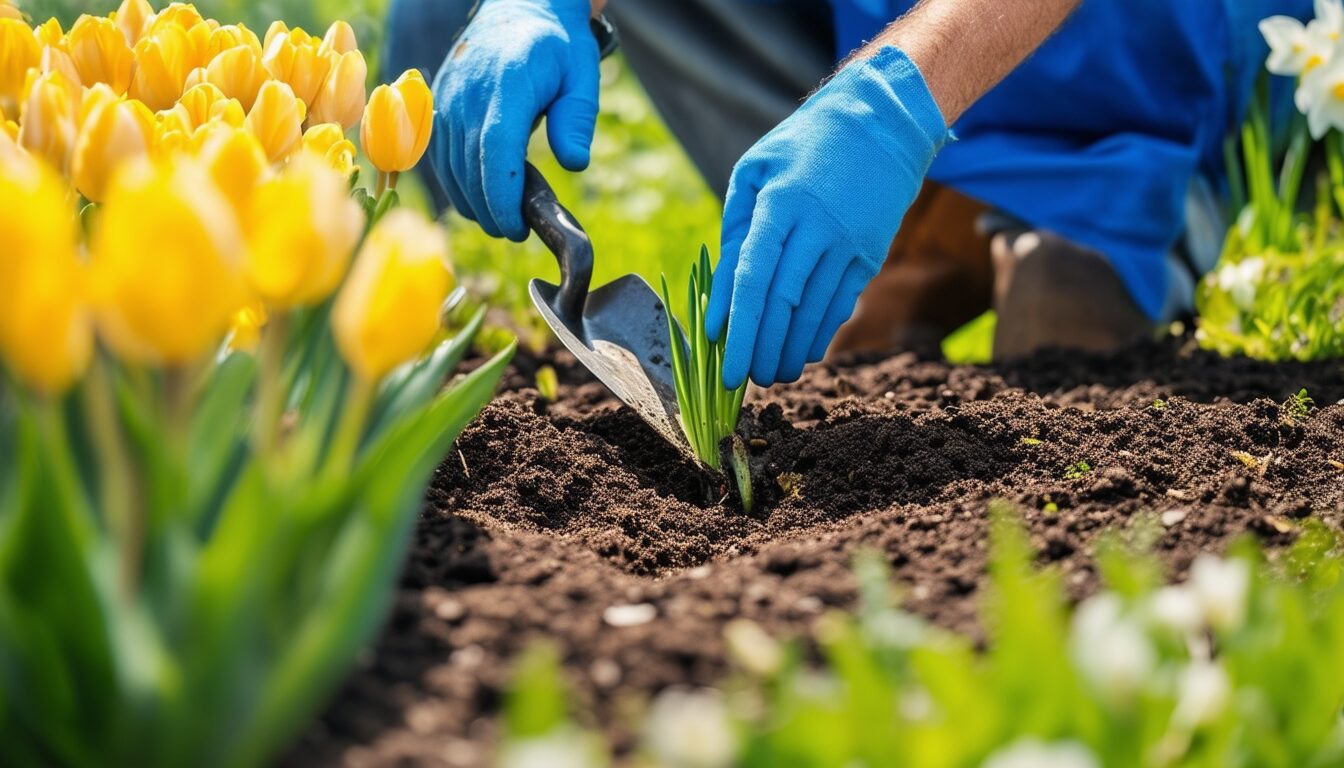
709	410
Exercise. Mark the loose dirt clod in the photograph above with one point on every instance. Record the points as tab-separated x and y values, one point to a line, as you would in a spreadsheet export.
574	506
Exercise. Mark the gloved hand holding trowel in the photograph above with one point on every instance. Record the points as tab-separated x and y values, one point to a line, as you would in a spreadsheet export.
1086	150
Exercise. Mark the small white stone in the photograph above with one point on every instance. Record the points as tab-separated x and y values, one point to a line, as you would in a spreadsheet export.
605	673
1174	517
629	615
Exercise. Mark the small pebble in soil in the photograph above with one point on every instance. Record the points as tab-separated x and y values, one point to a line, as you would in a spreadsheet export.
605	673
629	615
1174	517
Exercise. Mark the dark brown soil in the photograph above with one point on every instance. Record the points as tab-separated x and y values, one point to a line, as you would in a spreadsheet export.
550	514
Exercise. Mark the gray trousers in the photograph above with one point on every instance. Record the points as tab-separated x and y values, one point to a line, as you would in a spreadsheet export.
721	73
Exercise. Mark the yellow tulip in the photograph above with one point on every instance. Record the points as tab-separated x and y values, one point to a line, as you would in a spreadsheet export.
294	59
181	15
231	36
239	73
237	163
302	227
100	53
56	60
276	119
10	151
8	11
277	29
397	123
387	312
113	134
166	298
340	38
327	141
47	118
45	332
205	102
245	328
50	34
161	67
19	52
132	17
341	98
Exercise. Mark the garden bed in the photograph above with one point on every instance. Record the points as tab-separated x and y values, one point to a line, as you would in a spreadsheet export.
570	522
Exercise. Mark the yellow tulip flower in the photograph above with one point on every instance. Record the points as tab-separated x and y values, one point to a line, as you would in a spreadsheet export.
45	333
237	163
50	35
327	141
205	102
277	29
276	119
100	53
294	59
47	118
239	73
161	67
8	11
56	60
302	227
113	134
387	312
10	152
132	17
397	122
182	15
167	298
231	36
19	52
341	98
340	38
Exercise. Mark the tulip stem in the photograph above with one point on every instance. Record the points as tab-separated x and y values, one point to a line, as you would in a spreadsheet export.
116	475
358	402
380	185
270	384
392	179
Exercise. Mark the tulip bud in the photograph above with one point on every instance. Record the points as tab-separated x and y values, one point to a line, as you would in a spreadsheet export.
47	119
132	18
45	333
8	11
397	123
237	163
276	120
387	312
301	229
100	53
169	298
231	36
341	98
19	52
278	28
50	35
182	15
112	134
327	141
239	73
205	102
161	67
340	38
56	60
294	59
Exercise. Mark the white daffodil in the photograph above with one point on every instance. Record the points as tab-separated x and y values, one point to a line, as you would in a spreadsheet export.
1203	692
1293	50
690	729
1177	610
1241	281
1330	18
1033	753
1222	587
1111	649
1320	95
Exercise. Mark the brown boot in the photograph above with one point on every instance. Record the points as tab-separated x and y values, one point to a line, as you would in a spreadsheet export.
1049	292
937	277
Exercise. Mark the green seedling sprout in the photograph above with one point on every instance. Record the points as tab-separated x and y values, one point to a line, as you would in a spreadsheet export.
548	384
708	410
1077	470
1298	406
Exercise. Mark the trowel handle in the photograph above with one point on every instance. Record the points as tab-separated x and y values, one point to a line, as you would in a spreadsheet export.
558	229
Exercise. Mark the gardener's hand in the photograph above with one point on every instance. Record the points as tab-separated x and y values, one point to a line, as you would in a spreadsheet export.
811	211
516	60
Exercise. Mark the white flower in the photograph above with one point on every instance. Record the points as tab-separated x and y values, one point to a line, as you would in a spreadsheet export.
1203	692
1330	18
1293	50
1221	587
563	747
1321	96
1176	609
1110	648
1241	280
1032	753
690	729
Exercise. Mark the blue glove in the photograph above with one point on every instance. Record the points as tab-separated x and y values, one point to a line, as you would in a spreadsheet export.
516	60
811	211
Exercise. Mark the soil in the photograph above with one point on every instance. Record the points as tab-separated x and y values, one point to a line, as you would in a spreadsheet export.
550	517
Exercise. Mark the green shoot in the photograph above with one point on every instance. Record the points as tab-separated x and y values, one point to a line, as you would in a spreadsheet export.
1077	470
708	410
1297	406
548	384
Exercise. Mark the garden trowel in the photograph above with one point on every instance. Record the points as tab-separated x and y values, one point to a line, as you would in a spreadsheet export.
618	331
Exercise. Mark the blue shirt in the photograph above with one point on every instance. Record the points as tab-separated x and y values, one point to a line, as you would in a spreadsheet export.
1098	135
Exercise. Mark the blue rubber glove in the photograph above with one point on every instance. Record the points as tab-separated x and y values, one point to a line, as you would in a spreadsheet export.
516	60
811	211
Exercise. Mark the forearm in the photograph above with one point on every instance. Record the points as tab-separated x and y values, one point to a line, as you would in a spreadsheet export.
965	47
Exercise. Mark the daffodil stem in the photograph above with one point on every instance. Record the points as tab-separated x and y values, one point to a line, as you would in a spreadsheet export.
116	476
270	384
358	402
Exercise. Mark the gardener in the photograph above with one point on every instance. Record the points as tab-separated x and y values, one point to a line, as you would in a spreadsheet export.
1062	202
